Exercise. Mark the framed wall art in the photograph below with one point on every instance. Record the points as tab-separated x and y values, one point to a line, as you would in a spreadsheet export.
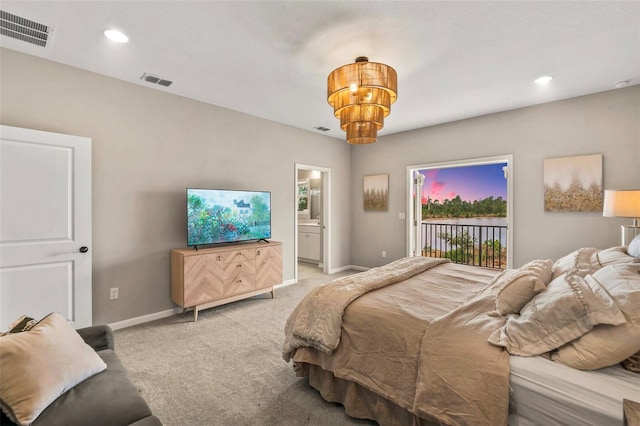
376	193
573	184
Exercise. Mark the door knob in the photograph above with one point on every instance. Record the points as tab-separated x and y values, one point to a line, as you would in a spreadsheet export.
84	249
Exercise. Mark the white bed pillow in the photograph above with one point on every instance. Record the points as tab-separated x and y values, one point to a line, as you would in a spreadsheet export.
634	247
518	286
607	345
612	256
41	364
579	262
570	307
603	346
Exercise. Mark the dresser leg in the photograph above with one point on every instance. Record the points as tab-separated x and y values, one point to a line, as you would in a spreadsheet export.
273	293
195	313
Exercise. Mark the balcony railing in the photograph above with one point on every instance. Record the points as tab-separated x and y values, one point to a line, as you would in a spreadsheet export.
478	245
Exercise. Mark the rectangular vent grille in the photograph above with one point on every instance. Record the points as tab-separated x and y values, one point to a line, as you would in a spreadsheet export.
322	128
23	29
156	80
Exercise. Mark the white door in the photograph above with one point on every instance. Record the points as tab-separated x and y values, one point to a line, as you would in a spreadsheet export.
45	226
325	218
415	246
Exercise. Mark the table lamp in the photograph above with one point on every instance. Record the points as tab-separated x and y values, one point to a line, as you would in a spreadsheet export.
623	203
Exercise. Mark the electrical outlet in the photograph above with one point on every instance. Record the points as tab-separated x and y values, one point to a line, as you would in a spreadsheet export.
113	293
384	253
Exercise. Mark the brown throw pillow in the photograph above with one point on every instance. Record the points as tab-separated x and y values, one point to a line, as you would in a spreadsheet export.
24	323
518	286
632	363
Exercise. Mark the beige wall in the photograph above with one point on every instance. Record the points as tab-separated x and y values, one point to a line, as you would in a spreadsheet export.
148	146
607	123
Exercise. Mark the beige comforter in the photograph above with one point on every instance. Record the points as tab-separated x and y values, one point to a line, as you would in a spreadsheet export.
422	344
317	320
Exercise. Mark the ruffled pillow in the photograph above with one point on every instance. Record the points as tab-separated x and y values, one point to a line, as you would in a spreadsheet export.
570	307
612	256
608	345
578	262
518	286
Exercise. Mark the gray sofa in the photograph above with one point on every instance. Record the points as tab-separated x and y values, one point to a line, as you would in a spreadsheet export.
108	398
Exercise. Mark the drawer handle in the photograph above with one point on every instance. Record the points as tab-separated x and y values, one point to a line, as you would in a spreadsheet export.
239	265
219	258
258	252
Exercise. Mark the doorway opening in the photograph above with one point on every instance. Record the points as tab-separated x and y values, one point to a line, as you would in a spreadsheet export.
312	219
462	210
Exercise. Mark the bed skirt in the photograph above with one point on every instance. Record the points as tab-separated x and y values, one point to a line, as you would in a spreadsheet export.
360	402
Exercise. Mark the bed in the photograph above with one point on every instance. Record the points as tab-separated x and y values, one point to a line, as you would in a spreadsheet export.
424	341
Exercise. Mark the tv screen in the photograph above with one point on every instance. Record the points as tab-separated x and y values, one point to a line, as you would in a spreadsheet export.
224	216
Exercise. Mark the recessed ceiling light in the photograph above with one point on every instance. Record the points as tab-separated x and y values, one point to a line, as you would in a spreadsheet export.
116	36
543	80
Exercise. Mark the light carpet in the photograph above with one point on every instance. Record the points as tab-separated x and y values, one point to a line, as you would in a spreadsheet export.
227	368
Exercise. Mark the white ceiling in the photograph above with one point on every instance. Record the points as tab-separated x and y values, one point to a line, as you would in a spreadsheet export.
270	59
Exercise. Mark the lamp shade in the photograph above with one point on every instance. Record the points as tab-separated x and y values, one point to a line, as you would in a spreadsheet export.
621	203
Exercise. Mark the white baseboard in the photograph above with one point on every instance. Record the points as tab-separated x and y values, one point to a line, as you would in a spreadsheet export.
347	267
145	318
285	283
169	312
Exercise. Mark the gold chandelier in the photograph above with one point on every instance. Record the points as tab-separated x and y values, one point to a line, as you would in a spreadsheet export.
361	95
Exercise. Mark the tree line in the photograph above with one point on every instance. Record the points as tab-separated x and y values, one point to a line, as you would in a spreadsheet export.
458	207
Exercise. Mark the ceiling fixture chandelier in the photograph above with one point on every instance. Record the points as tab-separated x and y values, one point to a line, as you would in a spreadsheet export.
361	95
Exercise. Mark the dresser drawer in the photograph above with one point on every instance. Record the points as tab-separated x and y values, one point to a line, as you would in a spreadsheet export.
239	285
238	269
236	255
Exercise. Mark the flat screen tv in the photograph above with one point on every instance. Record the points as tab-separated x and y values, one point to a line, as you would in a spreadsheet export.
217	216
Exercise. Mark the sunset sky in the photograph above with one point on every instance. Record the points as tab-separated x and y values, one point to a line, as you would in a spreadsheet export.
470	182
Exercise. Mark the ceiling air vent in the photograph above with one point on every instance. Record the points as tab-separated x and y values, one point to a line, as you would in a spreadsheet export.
155	80
322	128
23	29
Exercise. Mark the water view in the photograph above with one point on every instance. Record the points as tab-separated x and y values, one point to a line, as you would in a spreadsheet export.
464	213
486	222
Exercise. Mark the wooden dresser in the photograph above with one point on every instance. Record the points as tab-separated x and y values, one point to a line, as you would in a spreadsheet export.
209	277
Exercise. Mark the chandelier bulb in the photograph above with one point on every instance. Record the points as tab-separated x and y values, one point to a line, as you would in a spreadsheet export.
353	87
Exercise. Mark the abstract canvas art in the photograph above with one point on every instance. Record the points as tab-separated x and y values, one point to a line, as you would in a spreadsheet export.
573	184
376	193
